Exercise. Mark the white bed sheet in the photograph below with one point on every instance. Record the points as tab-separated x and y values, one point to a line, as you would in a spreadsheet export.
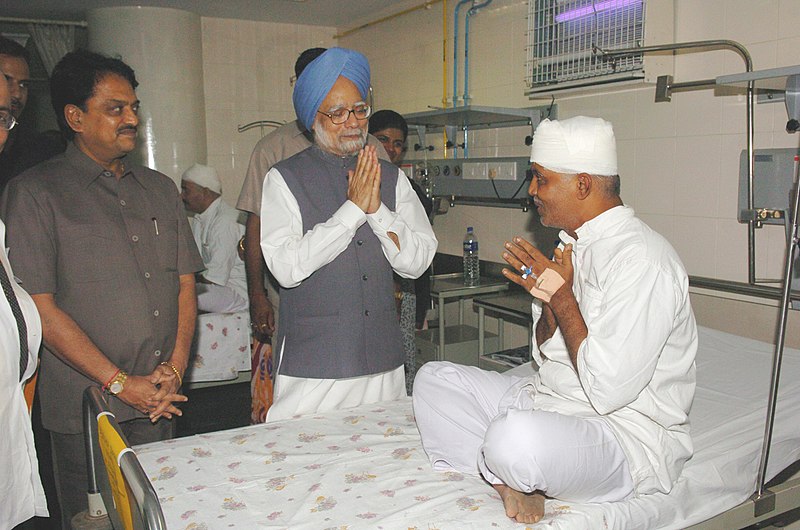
221	347
365	468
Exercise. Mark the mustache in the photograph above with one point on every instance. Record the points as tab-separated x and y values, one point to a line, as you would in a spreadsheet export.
128	128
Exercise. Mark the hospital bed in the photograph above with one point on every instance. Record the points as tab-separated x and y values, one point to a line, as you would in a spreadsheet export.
365	467
221	348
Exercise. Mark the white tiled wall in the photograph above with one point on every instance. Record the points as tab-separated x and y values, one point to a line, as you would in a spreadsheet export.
246	71
679	161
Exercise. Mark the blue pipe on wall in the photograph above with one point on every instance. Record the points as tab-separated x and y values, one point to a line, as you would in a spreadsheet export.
472	11
455	49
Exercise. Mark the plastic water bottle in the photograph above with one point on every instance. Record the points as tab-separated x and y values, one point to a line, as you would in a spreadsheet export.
472	271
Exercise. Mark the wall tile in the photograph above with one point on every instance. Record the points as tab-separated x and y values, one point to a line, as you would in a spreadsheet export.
697	173
655	185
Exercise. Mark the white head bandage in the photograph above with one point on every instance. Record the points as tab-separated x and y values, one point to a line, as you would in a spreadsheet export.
204	176
576	145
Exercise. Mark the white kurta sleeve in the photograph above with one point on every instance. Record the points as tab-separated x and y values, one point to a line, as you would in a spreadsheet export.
410	223
220	246
291	255
629	323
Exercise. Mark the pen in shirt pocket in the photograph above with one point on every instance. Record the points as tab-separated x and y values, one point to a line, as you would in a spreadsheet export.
155	224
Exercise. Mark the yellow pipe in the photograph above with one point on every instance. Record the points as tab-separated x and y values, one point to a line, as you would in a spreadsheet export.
425	5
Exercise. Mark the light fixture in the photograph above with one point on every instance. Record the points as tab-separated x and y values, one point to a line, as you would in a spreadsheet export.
595	7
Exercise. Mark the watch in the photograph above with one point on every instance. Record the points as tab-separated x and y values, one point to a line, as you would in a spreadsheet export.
117	384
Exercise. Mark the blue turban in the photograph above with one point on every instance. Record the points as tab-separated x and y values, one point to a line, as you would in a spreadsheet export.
319	76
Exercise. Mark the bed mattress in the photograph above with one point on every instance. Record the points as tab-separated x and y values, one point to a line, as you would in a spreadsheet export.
365	467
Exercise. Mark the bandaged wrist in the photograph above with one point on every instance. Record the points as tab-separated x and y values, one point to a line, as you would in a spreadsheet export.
547	284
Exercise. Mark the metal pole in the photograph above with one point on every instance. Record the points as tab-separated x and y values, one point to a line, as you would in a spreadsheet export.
742	51
791	245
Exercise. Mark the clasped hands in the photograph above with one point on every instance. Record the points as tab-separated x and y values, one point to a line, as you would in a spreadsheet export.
533	271
154	394
364	183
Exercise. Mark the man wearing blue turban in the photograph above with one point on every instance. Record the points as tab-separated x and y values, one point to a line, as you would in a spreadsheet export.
335	222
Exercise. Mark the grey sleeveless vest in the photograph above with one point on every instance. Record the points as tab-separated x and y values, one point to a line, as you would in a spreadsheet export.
341	321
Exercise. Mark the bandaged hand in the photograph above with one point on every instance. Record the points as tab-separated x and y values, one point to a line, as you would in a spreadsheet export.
534	272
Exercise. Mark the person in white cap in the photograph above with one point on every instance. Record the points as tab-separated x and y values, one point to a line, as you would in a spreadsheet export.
222	286
606	415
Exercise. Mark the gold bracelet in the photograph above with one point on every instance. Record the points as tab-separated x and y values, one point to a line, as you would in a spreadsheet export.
177	373
241	245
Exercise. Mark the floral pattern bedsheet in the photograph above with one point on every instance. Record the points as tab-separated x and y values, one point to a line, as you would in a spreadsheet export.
221	347
349	469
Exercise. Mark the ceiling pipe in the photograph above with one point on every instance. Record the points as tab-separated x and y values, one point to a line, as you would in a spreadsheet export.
424	5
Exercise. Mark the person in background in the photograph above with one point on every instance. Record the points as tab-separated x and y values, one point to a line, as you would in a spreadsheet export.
24	148
606	416
20	337
391	130
283	142
106	252
222	286
335	222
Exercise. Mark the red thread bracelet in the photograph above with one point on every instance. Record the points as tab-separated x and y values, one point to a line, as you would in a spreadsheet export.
105	386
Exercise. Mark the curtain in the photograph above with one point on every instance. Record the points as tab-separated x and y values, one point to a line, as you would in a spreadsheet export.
52	42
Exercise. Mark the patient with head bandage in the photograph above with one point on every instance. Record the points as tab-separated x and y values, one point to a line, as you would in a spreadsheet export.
605	416
336	222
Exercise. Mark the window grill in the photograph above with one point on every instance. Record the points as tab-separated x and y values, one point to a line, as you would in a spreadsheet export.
563	33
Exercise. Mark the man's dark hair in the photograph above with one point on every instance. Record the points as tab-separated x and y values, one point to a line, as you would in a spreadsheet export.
14	49
305	58
387	119
75	77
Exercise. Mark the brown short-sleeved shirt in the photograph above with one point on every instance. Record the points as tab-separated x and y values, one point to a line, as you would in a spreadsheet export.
285	141
111	252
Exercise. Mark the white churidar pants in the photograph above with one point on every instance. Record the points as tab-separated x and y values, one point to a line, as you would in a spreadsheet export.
213	298
477	421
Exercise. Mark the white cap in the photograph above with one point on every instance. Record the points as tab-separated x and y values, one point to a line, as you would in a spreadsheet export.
576	145
204	176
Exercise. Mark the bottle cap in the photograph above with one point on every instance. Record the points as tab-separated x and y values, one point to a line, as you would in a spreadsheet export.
469	229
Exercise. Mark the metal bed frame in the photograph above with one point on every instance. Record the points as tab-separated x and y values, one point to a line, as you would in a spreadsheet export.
136	508
765	503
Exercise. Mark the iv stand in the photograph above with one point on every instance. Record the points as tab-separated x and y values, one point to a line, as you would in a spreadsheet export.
764	499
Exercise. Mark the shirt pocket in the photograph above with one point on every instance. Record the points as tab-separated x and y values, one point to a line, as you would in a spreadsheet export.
93	253
591	303
166	243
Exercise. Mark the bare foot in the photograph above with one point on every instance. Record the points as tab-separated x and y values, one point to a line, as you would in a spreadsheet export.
522	507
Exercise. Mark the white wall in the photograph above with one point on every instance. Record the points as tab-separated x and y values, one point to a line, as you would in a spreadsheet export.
246	71
678	160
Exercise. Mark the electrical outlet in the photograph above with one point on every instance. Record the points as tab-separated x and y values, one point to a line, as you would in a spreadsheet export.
502	170
474	171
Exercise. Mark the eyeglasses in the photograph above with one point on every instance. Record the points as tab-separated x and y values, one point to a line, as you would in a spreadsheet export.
339	116
7	121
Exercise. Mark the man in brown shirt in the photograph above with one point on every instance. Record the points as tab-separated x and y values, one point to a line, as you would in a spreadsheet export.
106	252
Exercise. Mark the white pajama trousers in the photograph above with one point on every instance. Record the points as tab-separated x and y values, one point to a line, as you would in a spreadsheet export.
476	421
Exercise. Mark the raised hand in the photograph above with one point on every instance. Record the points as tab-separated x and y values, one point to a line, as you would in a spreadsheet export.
529	264
364	183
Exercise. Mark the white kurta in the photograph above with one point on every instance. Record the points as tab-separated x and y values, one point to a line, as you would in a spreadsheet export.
293	256
217	232
636	367
20	487
636	374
